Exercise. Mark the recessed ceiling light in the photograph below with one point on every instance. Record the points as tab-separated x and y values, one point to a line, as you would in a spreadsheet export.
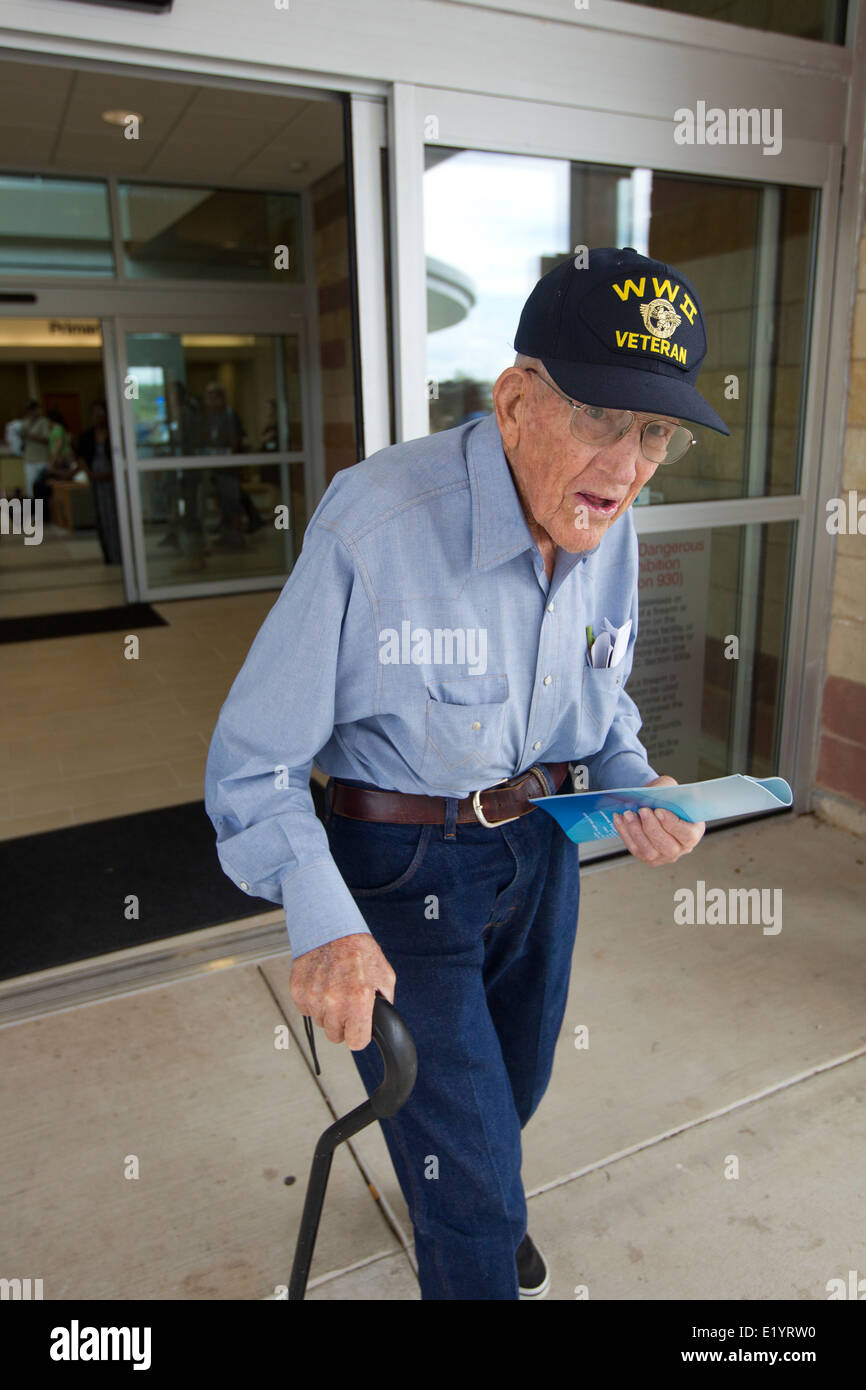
121	117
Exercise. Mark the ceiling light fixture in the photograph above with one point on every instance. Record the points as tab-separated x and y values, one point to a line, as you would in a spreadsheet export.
121	117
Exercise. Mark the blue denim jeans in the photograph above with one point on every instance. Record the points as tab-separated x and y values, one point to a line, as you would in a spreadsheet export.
479	926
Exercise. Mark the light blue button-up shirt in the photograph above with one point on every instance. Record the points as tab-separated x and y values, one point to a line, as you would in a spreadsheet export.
417	645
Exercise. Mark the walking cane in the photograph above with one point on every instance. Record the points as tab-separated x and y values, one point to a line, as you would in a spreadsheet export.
397	1049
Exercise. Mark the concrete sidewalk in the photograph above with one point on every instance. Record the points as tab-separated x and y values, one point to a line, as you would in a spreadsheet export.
711	1049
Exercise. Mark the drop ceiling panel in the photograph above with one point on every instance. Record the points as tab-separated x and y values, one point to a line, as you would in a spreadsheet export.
198	128
51	118
315	136
21	147
110	153
33	102
252	105
194	164
160	103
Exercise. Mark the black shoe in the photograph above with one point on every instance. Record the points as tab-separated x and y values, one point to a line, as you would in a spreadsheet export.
533	1276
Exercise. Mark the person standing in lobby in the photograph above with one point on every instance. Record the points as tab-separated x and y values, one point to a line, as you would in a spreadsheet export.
94	451
35	429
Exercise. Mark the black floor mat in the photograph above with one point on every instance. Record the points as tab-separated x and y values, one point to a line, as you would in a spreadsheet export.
126	618
65	891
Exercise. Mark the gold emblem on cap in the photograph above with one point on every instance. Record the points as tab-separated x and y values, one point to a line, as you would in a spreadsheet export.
660	318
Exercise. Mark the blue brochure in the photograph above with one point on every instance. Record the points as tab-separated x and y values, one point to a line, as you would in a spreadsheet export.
588	815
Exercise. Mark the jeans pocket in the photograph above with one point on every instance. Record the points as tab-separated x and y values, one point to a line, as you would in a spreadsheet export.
374	858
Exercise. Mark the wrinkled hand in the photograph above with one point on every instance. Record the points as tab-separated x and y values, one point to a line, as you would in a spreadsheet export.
655	836
335	985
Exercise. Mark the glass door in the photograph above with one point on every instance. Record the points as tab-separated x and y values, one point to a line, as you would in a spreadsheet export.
218	453
62	550
502	192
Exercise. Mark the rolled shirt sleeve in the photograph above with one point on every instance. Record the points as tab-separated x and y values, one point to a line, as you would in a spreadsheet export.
277	715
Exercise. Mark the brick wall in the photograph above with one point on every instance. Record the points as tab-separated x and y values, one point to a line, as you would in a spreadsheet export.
841	776
335	321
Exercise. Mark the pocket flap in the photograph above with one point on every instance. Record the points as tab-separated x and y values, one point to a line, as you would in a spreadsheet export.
470	690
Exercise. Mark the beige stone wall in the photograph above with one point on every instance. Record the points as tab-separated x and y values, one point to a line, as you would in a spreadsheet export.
841	776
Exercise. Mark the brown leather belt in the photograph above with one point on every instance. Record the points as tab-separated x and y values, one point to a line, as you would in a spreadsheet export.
504	801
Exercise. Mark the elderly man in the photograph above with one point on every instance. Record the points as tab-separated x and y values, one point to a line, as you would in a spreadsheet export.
429	651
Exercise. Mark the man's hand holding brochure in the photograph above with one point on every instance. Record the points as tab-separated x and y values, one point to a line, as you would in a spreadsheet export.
643	815
656	824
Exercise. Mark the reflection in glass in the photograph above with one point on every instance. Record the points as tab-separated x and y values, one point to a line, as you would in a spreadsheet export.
220	397
216	524
200	394
54	226
212	234
521	215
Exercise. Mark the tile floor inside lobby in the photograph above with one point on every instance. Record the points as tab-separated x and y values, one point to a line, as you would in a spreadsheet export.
64	571
87	734
705	1043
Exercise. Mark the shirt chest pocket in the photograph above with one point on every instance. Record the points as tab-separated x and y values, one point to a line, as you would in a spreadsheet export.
464	727
599	697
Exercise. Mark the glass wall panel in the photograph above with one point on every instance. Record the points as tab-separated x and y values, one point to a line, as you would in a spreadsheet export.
209	395
214	393
54	226
747	247
217	523
210	233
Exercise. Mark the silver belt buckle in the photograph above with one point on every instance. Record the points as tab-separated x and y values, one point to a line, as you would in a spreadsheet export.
476	800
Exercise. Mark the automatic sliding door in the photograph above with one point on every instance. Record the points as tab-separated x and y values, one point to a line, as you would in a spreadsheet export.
217	442
721	548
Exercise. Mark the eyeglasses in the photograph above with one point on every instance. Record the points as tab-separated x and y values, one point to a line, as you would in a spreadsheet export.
661	441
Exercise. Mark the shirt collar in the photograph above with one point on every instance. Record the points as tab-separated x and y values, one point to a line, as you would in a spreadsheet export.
499	528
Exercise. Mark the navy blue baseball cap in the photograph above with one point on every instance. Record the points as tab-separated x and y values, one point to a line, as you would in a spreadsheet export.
623	331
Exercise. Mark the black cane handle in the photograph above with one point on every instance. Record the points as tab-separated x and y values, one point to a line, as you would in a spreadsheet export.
400	1059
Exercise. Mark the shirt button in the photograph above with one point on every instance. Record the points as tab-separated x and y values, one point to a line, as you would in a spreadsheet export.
550	608
536	746
547	680
245	886
476	725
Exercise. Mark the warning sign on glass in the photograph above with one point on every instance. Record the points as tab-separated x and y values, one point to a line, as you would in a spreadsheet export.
666	682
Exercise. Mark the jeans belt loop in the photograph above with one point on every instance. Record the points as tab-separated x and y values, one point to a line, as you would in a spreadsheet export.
476	798
545	778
